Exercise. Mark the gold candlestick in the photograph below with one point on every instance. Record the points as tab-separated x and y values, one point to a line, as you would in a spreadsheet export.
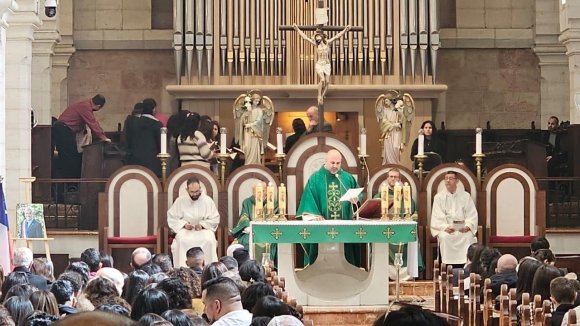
478	159
280	158
163	157
420	159
363	163
223	158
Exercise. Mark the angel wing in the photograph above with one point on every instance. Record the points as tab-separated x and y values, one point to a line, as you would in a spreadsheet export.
380	107
409	113
267	118
238	111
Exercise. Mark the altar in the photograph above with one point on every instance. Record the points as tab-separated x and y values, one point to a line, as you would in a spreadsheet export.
331	280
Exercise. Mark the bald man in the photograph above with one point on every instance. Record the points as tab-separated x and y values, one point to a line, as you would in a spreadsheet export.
505	274
321	201
312	115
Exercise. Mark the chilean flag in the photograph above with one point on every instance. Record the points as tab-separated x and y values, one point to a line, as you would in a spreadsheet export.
5	245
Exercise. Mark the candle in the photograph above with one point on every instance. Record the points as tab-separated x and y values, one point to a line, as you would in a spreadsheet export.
407	198
282	199
223	140
163	140
478	141
279	144
270	198
259	201
397	198
384	199
421	150
363	142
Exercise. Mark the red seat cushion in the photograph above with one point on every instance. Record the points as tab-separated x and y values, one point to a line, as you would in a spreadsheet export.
151	239
511	238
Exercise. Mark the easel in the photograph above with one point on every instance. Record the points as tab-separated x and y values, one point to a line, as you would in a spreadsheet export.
28	188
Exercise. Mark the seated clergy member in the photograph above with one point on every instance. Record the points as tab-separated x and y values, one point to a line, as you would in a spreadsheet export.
394	177
194	218
321	201
453	221
242	230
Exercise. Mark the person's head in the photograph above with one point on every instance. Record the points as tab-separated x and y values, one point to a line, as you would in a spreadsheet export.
149	301
451	181
21	290
75	279
252	271
220	296
229	262
164	261
190	279
5	318
298	126
43	267
190	125
541	283
212	271
96	318
176	122
149	106
11	281
487	258
285	320
114	275
546	256
18	307
40	318
254	292
429	128
151	269
312	114
409	315
177	317
22	257
393	176
63	291
92	258
114	309
149	318
539	243
333	161
474	251
100	290
506	264
241	255
526	272
28	213
98	102
178	293
140	257
215	130
270	306
553	122
562	291
137	109
193	188
82	269
137	282
44	300
195	258
106	259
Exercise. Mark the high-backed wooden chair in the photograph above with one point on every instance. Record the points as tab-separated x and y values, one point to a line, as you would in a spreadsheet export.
129	210
514	198
434	183
175	186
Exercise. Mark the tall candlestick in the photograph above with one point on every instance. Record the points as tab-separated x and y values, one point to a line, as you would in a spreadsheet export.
397	189
421	149
163	140
223	140
407	198
282	199
279	141
270	198
259	202
384	199
363	142
478	140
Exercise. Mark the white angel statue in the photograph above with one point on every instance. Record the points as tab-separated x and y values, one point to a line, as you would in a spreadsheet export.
253	115
395	113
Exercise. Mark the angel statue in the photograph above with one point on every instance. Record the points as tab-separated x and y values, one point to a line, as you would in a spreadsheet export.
395	113
253	115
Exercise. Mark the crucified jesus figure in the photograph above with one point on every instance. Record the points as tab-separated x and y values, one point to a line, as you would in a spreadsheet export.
322	65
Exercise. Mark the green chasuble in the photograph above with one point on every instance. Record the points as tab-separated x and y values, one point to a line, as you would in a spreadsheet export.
246	216
393	248
321	197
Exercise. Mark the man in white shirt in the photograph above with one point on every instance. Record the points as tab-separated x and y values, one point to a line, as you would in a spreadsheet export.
194	218
453	221
223	304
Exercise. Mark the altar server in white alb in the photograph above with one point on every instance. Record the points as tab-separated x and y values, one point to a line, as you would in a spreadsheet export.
194	218
453	221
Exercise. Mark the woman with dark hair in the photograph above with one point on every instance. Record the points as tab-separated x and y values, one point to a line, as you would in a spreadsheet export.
545	256
21	290
212	271
486	259
149	318
11	280
192	143
19	308
189	277
541	282
102	290
82	268
144	141
254	292
174	127
473	264
526	272
271	306
114	309
432	145
252	271
44	300
409	315
215	145
177	293
106	259
149	301
299	129
137	281
177	317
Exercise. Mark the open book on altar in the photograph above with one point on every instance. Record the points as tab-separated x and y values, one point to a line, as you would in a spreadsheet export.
369	210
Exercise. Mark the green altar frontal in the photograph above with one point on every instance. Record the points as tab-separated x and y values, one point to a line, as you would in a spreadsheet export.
334	231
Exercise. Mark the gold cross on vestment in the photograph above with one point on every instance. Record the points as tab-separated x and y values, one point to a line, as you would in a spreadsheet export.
304	233
388	232
361	233
276	234
333	186
332	233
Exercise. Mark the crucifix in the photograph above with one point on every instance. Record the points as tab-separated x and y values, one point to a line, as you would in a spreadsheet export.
321	42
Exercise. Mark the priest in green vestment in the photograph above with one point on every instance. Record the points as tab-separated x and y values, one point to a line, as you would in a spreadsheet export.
394	177
321	201
241	232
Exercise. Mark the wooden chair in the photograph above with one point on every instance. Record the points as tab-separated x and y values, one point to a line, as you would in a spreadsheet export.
462	303
546	312
504	306
488	304
477	317
537	312
526	312
129	211
513	316
572	317
443	288
436	284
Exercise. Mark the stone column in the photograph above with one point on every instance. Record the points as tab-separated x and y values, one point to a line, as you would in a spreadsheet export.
554	81
60	60
20	34
570	37
6	8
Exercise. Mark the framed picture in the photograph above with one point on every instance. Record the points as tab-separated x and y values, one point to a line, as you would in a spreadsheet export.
30	221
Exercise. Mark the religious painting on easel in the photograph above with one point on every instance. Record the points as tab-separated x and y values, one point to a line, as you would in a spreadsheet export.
30	221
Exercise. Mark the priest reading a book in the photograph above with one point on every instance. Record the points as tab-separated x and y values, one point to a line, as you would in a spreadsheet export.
321	200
